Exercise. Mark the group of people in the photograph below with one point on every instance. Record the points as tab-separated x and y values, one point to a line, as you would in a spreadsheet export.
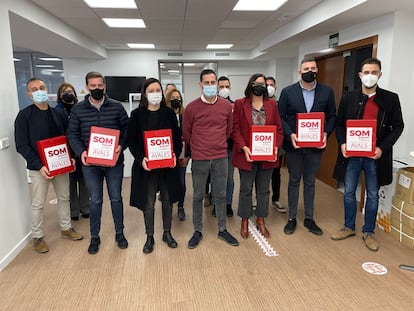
215	133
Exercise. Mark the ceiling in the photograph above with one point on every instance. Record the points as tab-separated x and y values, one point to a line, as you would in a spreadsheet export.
189	25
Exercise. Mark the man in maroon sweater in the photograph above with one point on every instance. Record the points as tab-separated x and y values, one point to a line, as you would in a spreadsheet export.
207	124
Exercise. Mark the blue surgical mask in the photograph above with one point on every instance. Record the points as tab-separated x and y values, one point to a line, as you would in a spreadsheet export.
40	96
210	90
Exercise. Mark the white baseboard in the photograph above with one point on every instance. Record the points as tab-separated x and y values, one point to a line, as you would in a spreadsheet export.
15	251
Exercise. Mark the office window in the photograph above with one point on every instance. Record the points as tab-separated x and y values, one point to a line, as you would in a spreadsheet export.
35	64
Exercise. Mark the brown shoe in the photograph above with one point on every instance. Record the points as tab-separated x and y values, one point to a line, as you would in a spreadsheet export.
343	234
261	226
40	245
370	242
71	234
244	231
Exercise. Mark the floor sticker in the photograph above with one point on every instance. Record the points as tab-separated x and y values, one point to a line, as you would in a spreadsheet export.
261	240
374	268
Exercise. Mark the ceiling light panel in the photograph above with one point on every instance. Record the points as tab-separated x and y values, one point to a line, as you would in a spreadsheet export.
141	45
219	46
112	4
124	22
258	5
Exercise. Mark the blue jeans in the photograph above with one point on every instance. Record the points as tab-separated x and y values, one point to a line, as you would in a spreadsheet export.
353	171
302	163
182	173
200	170
94	177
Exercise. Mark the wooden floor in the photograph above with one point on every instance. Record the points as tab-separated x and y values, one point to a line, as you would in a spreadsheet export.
310	272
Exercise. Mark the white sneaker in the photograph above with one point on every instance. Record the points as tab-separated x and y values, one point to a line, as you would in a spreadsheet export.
279	207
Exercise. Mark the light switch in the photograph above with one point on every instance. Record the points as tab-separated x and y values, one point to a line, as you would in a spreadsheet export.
4	143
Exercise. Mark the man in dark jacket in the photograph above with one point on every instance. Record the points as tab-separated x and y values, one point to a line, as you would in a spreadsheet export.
99	110
37	122
368	102
304	96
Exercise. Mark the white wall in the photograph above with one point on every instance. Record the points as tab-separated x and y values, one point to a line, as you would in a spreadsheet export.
395	46
15	220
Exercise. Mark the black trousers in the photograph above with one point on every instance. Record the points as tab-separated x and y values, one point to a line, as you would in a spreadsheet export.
157	180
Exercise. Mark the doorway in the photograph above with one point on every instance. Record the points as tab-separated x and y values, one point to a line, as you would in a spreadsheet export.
339	70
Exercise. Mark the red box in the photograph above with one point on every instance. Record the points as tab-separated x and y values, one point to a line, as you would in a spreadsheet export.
361	138
310	129
54	154
159	148
262	142
102	145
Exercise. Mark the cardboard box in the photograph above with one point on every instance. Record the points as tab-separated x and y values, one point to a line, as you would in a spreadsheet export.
398	233
262	142
361	138
102	145
159	148
310	129
402	222
405	185
403	212
54	154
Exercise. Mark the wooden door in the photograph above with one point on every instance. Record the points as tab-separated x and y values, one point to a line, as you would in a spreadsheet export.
331	73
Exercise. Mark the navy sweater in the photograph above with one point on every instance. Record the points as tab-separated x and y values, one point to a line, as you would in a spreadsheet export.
84	115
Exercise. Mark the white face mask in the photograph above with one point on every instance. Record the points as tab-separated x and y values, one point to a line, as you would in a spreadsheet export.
154	98
224	92
369	80
270	90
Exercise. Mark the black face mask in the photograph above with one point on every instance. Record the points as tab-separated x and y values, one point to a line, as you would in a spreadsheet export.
309	76
259	90
68	98
97	93
175	103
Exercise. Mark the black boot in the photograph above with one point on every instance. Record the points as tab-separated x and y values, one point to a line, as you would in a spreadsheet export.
229	211
181	213
167	238
149	245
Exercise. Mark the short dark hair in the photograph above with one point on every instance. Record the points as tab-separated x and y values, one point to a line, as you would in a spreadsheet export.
371	60
34	79
307	60
144	100
168	84
207	72
270	78
223	78
93	74
249	88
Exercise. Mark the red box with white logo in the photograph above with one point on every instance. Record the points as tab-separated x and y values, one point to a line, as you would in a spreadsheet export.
361	138
159	148
310	129
54	154
262	142
102	145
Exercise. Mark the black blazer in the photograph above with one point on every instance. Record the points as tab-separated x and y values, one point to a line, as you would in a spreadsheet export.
138	123
389	128
291	102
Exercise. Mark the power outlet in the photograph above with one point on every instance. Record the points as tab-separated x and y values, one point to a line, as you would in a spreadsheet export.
4	143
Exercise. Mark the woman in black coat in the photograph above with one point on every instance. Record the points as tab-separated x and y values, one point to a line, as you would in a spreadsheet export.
152	114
